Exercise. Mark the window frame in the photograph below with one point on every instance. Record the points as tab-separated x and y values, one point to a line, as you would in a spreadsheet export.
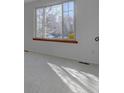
64	40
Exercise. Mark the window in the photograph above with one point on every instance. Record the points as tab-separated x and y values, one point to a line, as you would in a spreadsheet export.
55	22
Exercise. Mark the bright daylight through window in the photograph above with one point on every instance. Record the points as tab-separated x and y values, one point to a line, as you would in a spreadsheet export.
55	22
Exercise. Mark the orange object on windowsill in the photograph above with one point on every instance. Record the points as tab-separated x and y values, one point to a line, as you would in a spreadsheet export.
71	36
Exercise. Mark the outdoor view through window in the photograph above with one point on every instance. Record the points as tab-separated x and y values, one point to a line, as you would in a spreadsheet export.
55	22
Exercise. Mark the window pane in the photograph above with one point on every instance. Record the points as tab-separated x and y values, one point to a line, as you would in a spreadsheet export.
68	29
39	23
69	6
53	22
65	7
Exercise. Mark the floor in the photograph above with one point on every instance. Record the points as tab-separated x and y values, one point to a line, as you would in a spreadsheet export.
48	74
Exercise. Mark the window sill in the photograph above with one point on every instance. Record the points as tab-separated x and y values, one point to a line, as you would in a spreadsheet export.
56	40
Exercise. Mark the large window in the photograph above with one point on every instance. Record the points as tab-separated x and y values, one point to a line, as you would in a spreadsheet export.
56	22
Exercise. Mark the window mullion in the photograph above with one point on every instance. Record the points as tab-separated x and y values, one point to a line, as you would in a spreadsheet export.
62	23
35	24
43	23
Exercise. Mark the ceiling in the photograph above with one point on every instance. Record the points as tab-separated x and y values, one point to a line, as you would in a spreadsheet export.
26	1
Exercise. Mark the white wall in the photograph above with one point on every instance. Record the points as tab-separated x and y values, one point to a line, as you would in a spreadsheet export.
86	28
